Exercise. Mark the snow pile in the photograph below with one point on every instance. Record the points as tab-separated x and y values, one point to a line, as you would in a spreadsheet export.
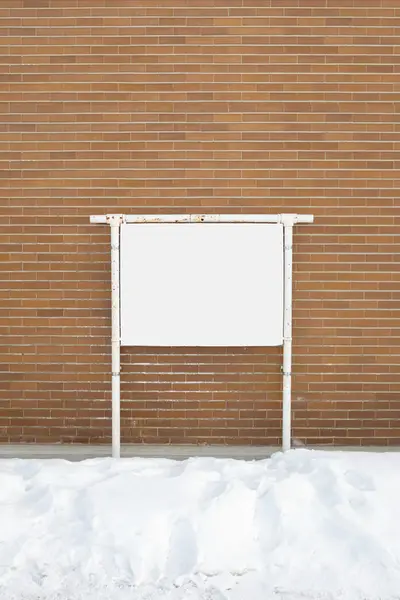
301	525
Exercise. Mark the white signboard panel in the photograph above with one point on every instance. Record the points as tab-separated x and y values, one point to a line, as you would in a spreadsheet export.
201	284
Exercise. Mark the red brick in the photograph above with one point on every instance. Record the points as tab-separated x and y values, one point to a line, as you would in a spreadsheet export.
141	108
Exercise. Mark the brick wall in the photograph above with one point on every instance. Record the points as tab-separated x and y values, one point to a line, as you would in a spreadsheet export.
199	106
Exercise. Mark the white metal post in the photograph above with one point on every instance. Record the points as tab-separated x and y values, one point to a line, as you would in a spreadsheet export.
115	222
287	338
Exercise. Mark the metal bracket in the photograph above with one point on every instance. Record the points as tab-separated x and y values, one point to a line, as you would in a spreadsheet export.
115	220
288	219
286	372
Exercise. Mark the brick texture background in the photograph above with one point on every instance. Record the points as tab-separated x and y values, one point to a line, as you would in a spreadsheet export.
199	106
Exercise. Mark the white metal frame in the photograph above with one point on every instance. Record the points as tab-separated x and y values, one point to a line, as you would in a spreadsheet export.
115	220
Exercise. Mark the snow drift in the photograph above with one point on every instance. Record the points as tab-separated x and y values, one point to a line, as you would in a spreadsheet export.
304	524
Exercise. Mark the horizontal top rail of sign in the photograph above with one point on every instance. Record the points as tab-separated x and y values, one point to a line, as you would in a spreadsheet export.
285	219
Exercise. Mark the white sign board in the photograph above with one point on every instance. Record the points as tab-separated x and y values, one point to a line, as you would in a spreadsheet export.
201	284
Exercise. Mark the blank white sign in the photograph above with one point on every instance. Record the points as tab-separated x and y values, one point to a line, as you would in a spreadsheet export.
201	284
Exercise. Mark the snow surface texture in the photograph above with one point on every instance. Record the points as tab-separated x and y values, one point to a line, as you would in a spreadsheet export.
301	525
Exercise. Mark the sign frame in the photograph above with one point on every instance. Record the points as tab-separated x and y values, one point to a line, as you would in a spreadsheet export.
288	220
